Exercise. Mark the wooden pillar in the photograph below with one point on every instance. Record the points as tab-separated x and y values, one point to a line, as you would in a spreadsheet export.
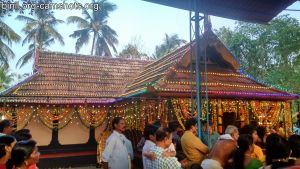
14	117
54	140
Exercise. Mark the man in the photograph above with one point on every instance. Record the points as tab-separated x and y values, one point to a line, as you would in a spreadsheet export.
118	149
231	133
280	130
211	138
173	126
192	146
149	135
6	127
163	141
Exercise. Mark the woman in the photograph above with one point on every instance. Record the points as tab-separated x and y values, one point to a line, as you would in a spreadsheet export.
6	144
242	157
24	154
277	152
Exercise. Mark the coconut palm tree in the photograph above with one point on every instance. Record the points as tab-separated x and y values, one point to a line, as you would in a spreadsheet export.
40	32
6	78
95	23
7	36
169	43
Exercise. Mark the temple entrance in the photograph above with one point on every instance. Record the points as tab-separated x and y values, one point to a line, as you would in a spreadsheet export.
228	119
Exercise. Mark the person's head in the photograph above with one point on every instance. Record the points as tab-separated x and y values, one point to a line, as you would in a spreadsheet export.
294	142
149	132
280	124
23	134
232	131
251	130
245	145
163	137
6	127
181	158
261	132
118	124
276	148
245	142
204	126
191	124
173	126
157	123
25	153
6	144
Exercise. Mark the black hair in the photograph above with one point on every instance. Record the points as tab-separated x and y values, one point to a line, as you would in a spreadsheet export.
23	134
276	148
244	142
162	133
294	142
189	123
180	156
149	130
196	166
5	140
261	132
157	123
247	129
116	120
22	151
3	124
173	125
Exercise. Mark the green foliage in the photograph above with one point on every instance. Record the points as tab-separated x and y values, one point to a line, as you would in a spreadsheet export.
7	36
268	52
95	23
6	78
169	43
132	51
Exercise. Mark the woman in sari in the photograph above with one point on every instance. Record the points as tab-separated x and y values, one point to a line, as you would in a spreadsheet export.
242	157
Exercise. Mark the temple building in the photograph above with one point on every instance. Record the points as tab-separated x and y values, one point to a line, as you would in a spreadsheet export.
70	99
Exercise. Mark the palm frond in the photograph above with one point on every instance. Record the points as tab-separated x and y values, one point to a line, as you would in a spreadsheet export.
5	50
25	58
82	36
25	18
87	15
7	34
81	23
51	31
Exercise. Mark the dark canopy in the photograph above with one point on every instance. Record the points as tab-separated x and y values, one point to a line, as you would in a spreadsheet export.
260	11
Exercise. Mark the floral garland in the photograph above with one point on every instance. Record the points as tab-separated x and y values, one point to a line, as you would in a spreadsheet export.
101	145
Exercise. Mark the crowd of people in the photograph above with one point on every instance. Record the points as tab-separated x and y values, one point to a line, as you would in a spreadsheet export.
17	149
168	147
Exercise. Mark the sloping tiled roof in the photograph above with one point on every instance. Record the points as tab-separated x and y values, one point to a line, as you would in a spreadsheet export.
171	76
71	78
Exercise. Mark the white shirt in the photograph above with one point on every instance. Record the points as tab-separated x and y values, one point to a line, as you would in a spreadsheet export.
171	148
147	147
225	137
117	150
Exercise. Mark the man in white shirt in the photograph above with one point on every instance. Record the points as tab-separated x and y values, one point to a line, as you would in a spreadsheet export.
118	149
149	135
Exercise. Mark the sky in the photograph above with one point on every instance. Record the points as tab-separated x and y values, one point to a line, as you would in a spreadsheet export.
133	20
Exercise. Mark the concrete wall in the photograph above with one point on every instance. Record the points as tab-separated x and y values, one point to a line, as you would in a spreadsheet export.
73	133
39	131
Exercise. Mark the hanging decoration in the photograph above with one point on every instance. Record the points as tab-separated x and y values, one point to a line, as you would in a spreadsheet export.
139	112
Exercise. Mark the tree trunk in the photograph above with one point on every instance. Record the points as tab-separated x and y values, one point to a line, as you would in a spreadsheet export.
93	44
